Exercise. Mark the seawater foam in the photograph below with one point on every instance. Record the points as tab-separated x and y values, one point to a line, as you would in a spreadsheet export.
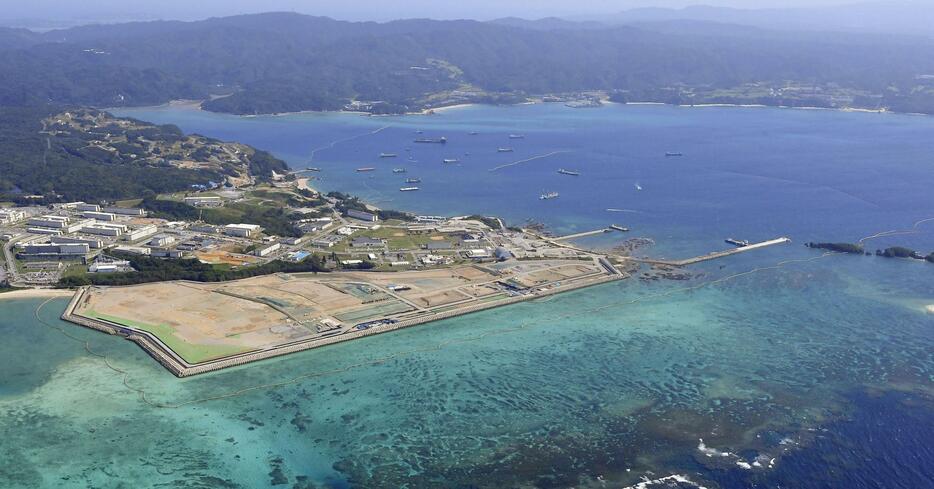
681	479
711	452
761	461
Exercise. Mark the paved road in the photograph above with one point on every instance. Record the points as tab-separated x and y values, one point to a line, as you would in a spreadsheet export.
8	258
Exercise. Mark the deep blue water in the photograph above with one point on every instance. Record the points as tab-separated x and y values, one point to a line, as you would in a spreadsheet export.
796	369
754	173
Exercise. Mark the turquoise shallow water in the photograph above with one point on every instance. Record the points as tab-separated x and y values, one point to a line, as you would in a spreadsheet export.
781	360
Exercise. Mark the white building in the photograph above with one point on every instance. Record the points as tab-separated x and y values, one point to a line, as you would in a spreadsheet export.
161	240
479	253
136	250
125	211
431	259
345	231
363	216
93	243
140	233
74	227
327	241
10	216
267	250
100	216
241	230
204	201
101	230
71	250
51	222
113	225
82	207
44	231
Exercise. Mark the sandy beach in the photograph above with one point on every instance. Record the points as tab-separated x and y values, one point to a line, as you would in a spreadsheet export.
302	183
37	294
438	110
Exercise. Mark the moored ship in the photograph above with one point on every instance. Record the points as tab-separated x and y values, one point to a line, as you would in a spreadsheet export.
504	150
441	140
388	155
398	170
450	160
365	169
548	196
408	189
569	172
413	180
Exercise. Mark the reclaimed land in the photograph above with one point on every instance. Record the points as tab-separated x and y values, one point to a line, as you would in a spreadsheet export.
194	328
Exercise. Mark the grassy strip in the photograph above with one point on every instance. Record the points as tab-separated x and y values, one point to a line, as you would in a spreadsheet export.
191	353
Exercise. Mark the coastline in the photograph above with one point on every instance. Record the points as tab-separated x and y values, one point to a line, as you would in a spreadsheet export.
444	108
172	362
196	105
37	294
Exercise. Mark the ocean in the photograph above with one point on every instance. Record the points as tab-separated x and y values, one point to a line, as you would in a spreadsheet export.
782	367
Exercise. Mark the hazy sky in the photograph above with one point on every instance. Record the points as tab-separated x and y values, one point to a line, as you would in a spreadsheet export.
111	10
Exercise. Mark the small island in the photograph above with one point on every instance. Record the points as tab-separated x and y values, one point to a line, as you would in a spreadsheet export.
856	249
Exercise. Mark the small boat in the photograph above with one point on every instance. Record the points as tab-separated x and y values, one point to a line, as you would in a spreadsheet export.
419	132
504	150
408	189
398	170
313	169
548	196
364	169
388	155
638	187
569	172
517	136
450	160
670	154
413	180
737	242
473	133
441	140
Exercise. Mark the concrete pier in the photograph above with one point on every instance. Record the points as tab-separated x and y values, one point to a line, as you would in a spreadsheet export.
714	255
583	234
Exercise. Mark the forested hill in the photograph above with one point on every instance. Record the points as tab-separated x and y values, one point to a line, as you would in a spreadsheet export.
49	154
287	62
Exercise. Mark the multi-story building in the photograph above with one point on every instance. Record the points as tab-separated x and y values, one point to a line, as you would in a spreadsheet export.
267	250
82	207
241	230
363	216
9	216
161	240
140	233
51	222
69	251
93	243
100	216
125	211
